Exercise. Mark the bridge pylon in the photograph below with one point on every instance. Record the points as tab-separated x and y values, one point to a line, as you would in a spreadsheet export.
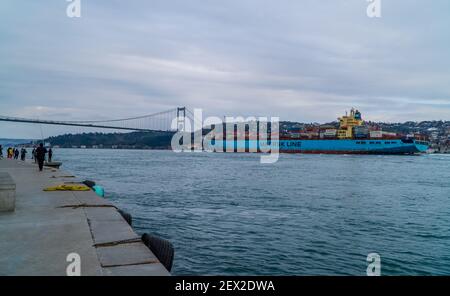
181	119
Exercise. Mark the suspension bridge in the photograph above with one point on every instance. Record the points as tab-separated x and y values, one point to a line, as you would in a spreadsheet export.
160	121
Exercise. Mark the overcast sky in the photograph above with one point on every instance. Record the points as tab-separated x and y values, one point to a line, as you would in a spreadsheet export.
302	60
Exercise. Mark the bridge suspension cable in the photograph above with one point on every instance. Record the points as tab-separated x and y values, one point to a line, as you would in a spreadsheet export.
160	121
124	119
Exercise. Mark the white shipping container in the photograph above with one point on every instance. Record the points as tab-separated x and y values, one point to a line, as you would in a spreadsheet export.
330	132
376	134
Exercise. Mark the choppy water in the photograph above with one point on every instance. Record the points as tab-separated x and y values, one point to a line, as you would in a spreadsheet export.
227	214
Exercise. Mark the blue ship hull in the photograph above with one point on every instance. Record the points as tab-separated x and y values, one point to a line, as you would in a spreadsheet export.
334	146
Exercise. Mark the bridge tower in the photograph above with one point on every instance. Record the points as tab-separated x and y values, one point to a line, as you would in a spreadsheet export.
181	118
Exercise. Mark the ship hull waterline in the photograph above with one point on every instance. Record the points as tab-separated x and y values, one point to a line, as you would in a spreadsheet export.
379	146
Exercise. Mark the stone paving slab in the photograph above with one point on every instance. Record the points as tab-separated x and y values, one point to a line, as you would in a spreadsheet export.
29	248
126	254
90	198
112	232
102	214
137	270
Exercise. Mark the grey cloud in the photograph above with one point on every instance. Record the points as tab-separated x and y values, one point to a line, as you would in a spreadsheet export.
301	60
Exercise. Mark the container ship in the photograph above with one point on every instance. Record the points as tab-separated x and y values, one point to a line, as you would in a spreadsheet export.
352	136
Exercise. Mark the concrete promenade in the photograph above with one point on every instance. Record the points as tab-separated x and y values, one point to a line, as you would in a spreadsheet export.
46	227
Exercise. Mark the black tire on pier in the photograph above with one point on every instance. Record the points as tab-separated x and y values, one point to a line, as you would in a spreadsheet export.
163	249
127	217
89	183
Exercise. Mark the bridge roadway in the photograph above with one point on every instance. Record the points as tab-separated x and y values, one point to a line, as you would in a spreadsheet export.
47	226
64	123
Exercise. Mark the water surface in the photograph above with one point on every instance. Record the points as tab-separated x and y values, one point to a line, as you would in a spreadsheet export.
227	214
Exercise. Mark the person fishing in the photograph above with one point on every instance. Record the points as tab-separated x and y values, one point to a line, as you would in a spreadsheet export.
40	156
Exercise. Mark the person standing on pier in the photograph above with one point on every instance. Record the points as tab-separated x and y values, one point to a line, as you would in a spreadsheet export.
40	156
33	154
50	155
1	151
23	154
16	153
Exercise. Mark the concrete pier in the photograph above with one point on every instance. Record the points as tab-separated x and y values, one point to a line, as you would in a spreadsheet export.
37	238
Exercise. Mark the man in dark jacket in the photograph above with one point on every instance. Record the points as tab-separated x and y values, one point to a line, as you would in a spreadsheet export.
23	154
40	156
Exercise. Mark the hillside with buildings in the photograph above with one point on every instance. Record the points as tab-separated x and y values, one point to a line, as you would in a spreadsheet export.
134	140
438	133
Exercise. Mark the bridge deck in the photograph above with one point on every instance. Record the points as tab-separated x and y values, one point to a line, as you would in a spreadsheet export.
47	226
